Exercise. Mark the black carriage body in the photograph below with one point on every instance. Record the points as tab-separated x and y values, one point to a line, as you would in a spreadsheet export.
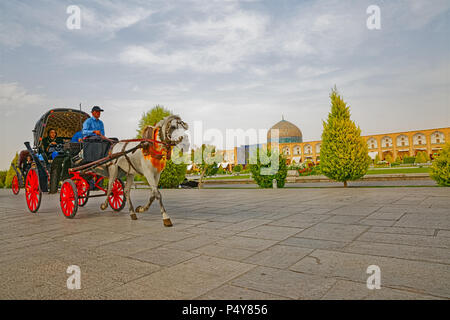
66	122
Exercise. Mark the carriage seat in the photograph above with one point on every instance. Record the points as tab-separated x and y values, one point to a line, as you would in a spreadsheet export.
95	148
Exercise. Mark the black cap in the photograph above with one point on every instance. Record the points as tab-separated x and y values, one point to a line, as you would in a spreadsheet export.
96	108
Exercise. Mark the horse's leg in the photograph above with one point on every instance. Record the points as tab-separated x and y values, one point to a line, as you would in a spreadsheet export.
141	209
113	172
153	178
166	219
165	216
129	183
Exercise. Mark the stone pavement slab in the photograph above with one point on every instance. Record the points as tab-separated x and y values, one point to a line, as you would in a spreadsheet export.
425	277
306	243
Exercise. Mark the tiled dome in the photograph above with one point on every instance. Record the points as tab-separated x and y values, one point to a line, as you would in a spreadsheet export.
288	132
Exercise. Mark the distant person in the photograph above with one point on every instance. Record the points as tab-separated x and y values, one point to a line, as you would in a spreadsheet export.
94	126
77	137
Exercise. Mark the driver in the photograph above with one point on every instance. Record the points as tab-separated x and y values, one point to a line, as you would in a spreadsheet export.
94	126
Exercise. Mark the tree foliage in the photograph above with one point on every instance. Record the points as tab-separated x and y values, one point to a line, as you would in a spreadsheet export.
206	160
440	169
260	168
152	117
344	153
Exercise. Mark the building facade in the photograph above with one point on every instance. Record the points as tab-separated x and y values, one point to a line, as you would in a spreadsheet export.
397	144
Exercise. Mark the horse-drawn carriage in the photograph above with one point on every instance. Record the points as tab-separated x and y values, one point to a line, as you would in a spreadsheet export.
90	161
76	190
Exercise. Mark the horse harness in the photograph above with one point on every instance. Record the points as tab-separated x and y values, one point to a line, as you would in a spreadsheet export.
148	146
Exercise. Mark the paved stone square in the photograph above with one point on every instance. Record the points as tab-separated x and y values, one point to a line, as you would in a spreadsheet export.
233	244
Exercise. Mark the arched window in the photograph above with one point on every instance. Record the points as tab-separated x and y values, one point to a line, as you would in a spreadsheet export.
372	143
308	149
419	139
437	137
318	148
286	151
297	150
402	141
386	142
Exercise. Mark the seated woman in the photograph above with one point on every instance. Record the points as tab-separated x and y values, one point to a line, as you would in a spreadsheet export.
60	164
50	142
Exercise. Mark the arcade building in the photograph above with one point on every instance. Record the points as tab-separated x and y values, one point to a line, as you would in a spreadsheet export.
396	144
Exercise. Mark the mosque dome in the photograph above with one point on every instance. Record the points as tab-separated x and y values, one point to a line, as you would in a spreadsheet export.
287	131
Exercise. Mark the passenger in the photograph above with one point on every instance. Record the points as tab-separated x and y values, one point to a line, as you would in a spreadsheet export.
50	142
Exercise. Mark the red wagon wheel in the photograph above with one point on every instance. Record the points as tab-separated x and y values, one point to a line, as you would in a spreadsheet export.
33	192
68	199
117	197
83	191
15	185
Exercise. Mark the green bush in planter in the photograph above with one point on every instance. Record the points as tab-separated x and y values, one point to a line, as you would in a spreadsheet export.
172	175
262	172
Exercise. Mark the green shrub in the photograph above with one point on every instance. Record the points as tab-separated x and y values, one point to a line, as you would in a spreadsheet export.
440	169
377	159
3	177
266	181
237	168
247	170
389	158
221	170
172	175
409	160
420	158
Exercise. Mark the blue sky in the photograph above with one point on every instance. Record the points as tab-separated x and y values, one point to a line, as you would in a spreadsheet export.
230	64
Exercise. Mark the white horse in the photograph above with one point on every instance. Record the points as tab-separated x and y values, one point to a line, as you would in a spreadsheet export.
148	161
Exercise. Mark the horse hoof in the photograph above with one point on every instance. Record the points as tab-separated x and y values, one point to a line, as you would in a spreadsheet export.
140	209
133	216
167	223
103	206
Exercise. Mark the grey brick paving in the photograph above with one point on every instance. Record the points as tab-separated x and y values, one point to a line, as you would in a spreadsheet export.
233	244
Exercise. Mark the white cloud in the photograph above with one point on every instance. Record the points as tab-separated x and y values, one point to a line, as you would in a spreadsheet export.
219	43
109	19
13	98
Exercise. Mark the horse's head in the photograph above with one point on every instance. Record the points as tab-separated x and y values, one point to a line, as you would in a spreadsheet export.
173	132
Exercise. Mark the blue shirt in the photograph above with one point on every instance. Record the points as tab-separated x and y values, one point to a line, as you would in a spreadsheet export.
77	136
92	124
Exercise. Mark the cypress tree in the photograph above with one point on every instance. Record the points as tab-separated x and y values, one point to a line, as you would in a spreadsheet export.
344	153
11	173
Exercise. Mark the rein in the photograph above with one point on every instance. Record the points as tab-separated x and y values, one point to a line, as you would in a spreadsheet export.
147	140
